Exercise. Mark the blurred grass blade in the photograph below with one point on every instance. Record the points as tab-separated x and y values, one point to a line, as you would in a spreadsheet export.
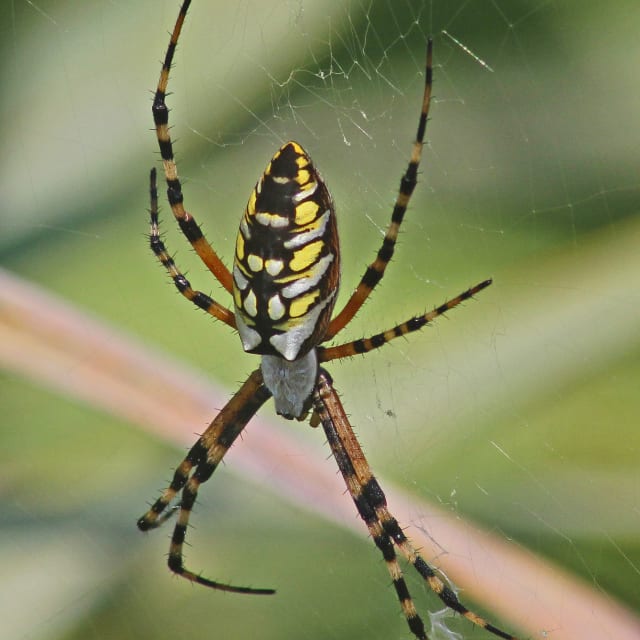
50	342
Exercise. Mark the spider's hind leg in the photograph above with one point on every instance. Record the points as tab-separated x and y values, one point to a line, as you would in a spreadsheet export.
375	271
364	345
186	221
201	300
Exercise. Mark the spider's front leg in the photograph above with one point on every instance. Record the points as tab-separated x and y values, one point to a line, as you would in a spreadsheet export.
372	507
350	458
204	457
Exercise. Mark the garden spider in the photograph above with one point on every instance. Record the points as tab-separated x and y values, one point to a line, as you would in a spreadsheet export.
284	285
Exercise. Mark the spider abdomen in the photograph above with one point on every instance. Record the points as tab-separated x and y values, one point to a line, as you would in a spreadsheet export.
287	262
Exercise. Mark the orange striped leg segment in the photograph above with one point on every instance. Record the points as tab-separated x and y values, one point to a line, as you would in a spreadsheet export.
182	284
187	223
365	345
330	412
372	507
376	269
201	461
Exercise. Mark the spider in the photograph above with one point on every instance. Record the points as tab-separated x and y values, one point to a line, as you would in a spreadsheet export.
284	284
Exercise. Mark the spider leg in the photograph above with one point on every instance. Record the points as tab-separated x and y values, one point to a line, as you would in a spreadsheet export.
376	269
182	284
203	459
328	409
372	507
365	345
187	223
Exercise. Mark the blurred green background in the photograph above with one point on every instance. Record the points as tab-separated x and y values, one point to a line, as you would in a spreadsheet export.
519	412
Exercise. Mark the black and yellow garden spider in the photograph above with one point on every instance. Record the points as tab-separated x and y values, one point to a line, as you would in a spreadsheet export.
284	285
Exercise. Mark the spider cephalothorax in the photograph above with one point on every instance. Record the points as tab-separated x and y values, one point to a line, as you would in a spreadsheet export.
284	285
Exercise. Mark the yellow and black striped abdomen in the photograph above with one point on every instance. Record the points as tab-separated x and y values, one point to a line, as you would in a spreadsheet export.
287	261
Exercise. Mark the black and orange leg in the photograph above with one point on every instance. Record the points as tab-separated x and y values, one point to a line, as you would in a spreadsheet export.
201	300
372	506
201	461
364	345
376	269
328	409
187	223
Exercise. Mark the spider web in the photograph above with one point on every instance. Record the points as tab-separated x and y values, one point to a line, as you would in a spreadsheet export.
517	412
